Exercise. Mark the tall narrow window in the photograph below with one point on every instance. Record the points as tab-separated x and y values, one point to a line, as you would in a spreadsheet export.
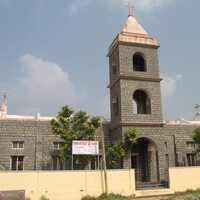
165	145
191	159
115	106
142	101
114	67
167	160
57	164
139	63
17	163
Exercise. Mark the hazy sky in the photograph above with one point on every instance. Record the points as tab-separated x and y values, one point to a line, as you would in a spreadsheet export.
53	52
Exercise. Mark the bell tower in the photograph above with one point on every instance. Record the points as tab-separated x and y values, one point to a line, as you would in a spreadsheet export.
135	94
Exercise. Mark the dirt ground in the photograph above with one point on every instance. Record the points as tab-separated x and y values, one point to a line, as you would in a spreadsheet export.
169	197
152	198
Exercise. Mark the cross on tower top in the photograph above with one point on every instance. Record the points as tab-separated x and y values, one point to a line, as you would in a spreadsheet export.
130	6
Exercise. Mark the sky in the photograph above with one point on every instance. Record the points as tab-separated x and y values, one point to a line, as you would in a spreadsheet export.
53	53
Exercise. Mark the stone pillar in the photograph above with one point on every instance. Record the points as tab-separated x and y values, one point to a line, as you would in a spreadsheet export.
153	167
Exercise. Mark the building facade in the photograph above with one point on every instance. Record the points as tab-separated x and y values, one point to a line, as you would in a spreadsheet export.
136	103
27	143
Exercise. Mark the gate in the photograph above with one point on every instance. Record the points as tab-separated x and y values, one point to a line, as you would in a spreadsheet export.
138	178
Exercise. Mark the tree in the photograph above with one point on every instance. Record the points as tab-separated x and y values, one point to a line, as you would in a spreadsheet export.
196	138
130	138
74	126
114	151
117	149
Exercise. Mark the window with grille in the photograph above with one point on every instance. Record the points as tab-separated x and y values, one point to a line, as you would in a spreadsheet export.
115	105
191	159
57	145
18	145
57	164
17	163
190	144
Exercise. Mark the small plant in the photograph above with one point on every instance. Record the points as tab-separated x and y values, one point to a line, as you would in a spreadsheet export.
117	149
110	196
43	197
88	197
27	198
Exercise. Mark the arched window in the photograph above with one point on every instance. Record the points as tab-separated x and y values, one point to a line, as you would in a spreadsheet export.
141	102
114	67
115	106
139	63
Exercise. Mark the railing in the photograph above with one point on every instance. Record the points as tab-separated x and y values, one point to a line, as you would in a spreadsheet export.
138	178
150	185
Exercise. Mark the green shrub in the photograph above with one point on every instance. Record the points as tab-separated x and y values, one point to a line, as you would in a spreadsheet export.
88	197
110	196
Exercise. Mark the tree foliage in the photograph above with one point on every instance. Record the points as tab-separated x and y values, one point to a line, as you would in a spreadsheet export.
80	126
73	126
130	138
117	149
114	151
196	138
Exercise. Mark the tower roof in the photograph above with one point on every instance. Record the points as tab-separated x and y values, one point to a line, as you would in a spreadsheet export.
132	27
133	32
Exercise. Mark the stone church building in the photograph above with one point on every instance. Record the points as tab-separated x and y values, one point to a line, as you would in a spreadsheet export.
27	142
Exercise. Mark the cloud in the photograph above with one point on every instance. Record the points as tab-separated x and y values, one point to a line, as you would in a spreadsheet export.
150	5
77	5
45	81
169	85
144	5
40	75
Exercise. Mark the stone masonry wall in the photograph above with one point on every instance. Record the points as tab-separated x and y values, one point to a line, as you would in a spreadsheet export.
150	55
38	143
170	140
151	87
127	88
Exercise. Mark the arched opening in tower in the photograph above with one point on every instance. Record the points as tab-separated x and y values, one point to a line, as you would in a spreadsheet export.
139	63
141	103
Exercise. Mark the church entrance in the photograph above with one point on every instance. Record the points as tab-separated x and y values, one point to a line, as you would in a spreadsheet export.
144	159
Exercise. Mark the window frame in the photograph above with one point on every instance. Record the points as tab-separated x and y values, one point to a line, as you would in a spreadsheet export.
17	163
59	164
139	62
190	145
114	68
17	144
142	100
191	159
115	105
59	145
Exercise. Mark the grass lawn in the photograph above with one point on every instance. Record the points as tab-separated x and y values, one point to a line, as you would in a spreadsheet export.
187	195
